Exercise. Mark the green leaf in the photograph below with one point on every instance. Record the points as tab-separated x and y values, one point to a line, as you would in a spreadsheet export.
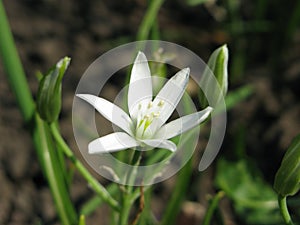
95	202
49	92
183	179
235	96
149	19
287	179
14	70
254	200
238	95
52	170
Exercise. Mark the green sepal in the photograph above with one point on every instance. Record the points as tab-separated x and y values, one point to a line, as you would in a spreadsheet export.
49	92
287	179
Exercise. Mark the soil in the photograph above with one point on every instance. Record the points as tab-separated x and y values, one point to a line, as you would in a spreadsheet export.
47	30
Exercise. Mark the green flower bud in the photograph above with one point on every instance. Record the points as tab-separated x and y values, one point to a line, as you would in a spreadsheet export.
49	92
287	179
218	65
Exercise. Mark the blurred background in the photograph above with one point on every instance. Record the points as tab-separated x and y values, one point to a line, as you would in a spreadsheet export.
263	38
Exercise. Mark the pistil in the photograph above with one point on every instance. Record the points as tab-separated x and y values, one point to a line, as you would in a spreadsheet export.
147	116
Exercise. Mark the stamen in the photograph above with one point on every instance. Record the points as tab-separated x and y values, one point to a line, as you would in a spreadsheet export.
140	123
155	115
161	103
140	106
150	104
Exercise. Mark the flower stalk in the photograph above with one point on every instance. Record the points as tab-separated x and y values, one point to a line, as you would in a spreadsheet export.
212	207
284	210
94	184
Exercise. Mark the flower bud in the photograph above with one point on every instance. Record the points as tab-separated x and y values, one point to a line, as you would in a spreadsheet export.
216	70
287	179
49	92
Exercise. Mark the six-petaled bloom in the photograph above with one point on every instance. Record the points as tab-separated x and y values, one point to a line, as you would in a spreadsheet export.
145	125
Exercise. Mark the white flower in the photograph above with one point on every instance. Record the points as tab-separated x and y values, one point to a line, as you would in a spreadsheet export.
145	125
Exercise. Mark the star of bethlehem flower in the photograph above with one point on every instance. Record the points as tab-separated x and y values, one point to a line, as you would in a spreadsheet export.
145	126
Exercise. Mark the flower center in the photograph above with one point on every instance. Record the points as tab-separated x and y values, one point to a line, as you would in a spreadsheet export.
146	116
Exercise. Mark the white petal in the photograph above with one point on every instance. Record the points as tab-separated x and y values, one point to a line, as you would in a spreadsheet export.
170	95
160	143
182	124
112	143
110	111
140	86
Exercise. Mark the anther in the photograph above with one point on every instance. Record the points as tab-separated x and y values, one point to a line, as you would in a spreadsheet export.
156	114
161	103
150	104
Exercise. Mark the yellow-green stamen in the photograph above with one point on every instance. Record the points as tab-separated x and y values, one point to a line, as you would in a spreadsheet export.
147	115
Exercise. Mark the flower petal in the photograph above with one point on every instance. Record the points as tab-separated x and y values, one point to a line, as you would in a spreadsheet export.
160	143
183	124
112	143
110	111
140	86
169	96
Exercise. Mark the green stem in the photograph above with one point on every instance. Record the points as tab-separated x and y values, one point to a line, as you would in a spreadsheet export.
95	185
284	210
212	207
125	210
12	64
178	195
95	202
127	194
149	19
147	23
135	161
182	182
66	173
146	216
